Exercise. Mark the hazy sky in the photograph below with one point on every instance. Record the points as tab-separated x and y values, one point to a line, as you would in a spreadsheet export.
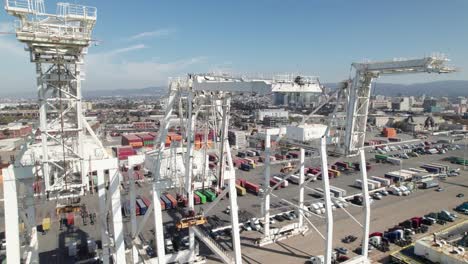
143	44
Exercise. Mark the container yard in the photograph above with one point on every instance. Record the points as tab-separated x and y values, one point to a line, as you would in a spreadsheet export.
222	167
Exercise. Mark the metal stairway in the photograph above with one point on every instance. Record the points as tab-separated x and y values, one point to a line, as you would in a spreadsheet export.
213	245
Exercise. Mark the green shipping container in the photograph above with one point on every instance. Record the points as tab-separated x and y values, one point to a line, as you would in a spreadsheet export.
202	197
381	157
210	196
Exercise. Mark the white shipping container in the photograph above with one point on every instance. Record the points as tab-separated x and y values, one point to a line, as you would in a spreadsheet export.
343	192
305	132
377	184
383	181
358	183
394	161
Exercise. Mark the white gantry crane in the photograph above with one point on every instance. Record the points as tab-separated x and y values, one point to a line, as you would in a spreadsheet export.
357	93
69	149
200	91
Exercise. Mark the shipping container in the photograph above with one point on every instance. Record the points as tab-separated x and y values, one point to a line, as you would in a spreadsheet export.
145	200
253	188
241	182
245	167
142	206
394	161
381	157
172	199
294	179
202	197
273	182
342	165
383	181
336	173
240	190
167	202
358	183
338	192
283	184
431	168
210	196
148	140
196	199
393	139
70	219
377	184
132	140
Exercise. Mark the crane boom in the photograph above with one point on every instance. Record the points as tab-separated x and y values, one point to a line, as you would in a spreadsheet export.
359	92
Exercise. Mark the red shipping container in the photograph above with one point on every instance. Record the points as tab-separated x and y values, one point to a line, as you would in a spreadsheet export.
70	219
273	183
241	182
172	199
251	187
196	199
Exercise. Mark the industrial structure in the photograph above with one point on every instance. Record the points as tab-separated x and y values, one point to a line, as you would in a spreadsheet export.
62	165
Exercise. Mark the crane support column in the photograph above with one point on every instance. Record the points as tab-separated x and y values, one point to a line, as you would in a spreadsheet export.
366	201
158	225
13	254
328	202
266	203
102	216
232	184
188	167
114	188
300	210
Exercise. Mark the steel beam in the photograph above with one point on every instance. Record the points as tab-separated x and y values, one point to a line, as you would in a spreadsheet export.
328	202
103	216
366	207
13	254
114	188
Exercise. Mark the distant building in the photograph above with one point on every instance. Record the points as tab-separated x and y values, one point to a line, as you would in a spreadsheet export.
272	121
278	113
401	104
381	104
432	106
296	99
15	130
9	148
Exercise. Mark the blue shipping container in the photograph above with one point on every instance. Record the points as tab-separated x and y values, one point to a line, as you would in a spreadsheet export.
167	202
142	206
430	168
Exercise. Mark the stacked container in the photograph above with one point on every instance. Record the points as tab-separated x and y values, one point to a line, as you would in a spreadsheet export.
148	140
132	140
124	152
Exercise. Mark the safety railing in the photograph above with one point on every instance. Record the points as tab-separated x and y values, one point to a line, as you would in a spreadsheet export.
53	30
71	10
23	4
